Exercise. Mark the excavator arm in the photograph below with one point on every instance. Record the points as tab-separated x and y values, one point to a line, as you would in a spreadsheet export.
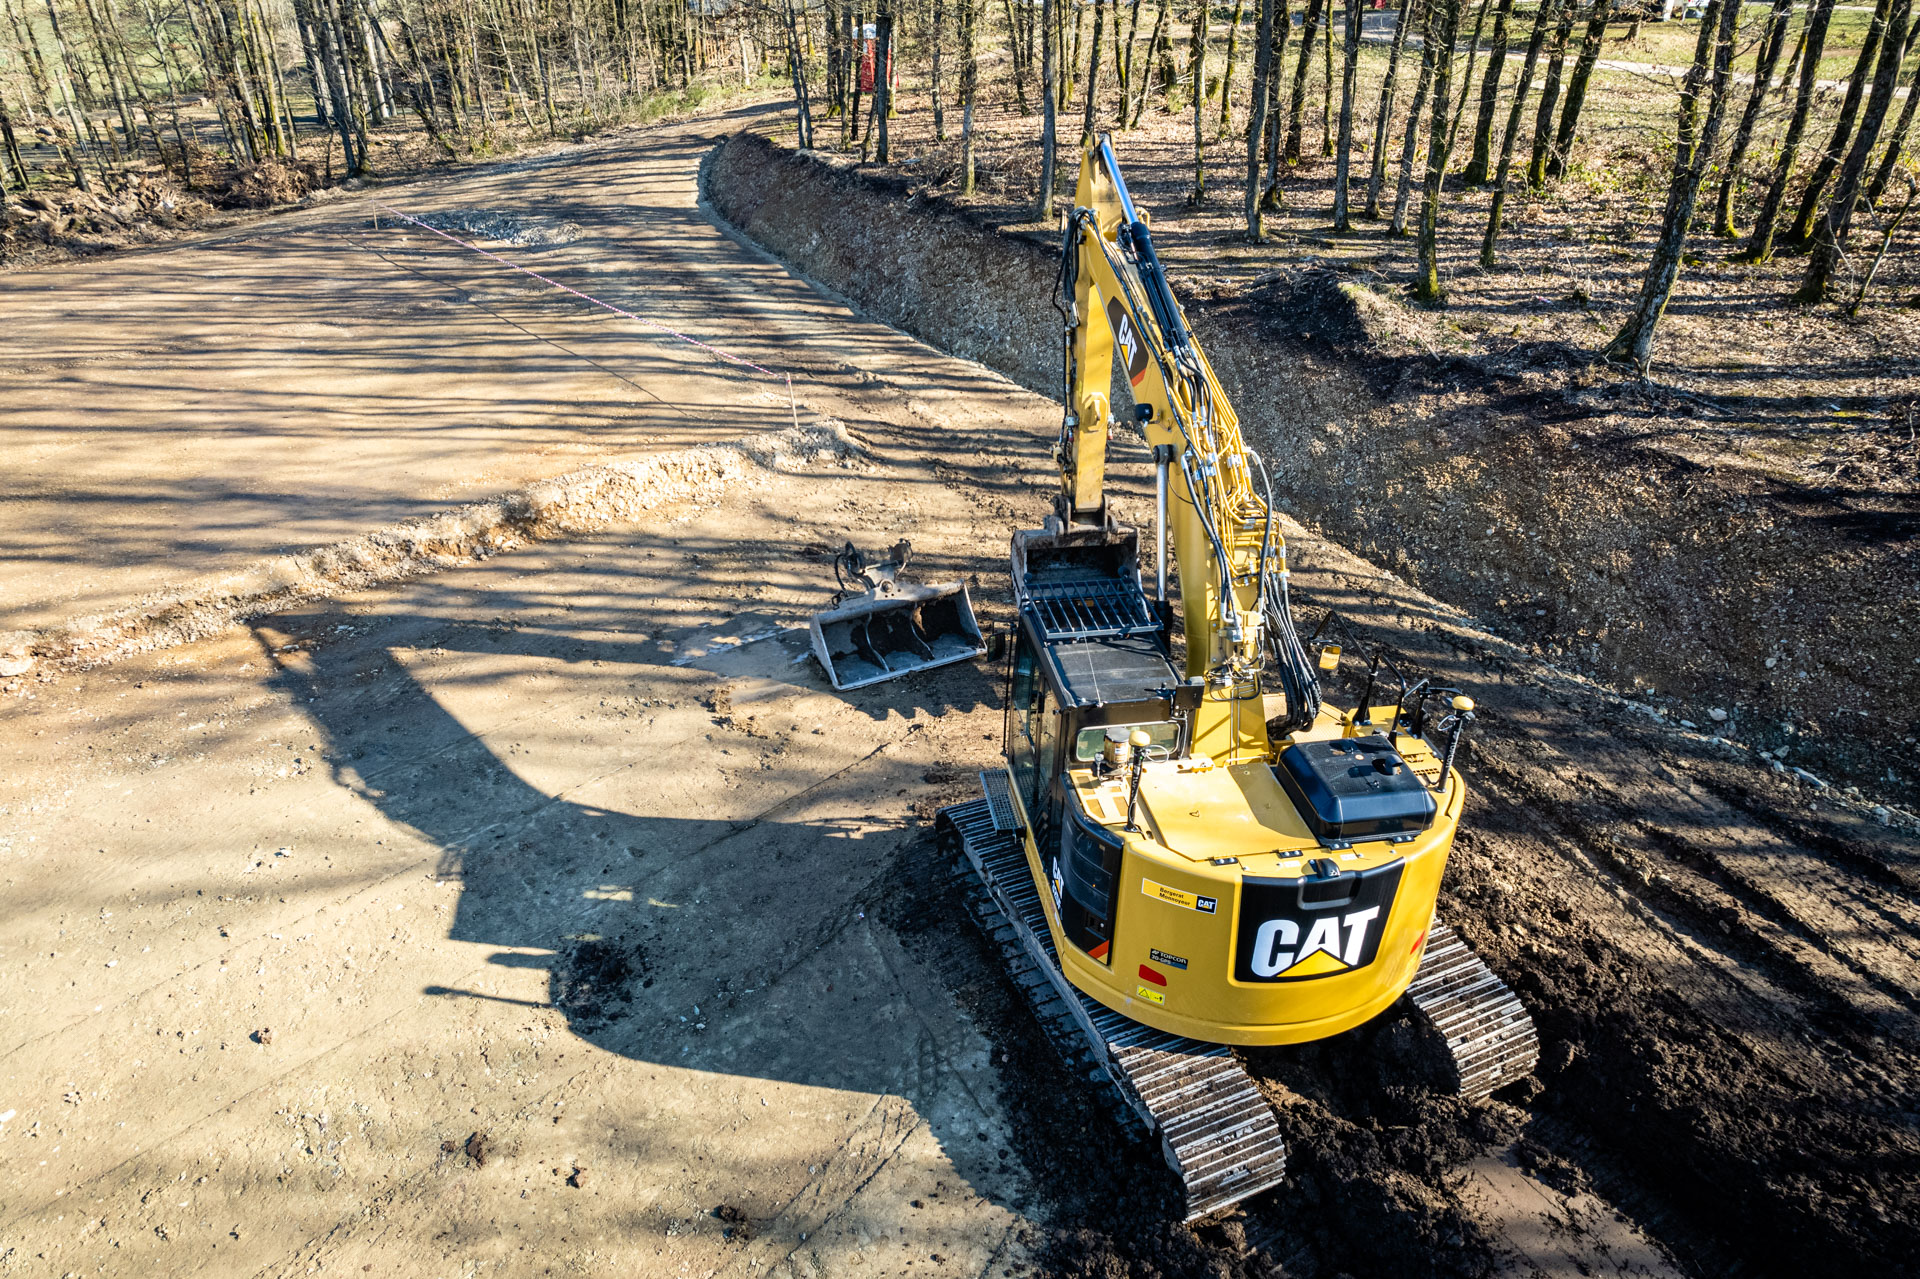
1214	496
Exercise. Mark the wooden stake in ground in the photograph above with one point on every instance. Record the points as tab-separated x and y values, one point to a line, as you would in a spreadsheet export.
1634	343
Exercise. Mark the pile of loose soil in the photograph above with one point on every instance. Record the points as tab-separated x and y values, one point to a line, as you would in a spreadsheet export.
146	207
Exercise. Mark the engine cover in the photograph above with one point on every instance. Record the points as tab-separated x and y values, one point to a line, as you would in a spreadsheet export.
1355	788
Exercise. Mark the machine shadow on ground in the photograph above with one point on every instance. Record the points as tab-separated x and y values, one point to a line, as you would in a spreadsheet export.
732	936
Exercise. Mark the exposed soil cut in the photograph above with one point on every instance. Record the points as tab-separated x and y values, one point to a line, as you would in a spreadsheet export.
1584	515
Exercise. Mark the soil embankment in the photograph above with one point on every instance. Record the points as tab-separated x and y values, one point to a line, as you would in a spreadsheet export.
1534	495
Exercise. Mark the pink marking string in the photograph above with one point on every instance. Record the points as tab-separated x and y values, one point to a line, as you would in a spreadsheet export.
605	306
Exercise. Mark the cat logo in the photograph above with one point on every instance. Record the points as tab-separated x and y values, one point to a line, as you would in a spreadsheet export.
1300	929
1275	942
1132	352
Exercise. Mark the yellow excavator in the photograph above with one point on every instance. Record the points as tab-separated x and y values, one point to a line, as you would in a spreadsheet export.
1190	846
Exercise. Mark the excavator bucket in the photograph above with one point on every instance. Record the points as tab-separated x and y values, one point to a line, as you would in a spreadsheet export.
892	627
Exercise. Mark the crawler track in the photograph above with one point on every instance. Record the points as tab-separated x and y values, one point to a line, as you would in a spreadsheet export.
1489	1035
1216	1130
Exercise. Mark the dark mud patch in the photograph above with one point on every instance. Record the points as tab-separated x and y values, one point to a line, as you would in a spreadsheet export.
595	980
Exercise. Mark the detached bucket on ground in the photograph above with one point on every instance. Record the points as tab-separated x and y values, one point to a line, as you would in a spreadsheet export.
872	637
892	628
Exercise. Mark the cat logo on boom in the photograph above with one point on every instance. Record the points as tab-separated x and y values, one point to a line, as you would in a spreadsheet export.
1133	352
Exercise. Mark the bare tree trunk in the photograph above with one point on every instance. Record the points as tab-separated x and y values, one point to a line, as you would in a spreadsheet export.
1410	143
15	166
1199	54
1383	120
1466	80
338	106
883	81
1093	74
1542	22
1343	149
1257	117
969	87
939	108
1771	44
1476	171
1326	83
1296	109
1577	87
1886	238
1895	144
1123	56
797	68
1146	72
1760	243
1634	343
1044	211
1426	286
1842	129
1282	33
1226	80
1830	236
1549	98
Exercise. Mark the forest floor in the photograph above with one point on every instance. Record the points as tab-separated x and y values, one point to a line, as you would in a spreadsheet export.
1741	374
517	898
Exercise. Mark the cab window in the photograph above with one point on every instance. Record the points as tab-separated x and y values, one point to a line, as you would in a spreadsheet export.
1089	742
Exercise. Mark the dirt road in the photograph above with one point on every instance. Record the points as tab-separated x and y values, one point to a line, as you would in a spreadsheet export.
548	913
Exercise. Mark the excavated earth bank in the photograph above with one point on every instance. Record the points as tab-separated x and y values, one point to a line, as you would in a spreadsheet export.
1705	582
1719	960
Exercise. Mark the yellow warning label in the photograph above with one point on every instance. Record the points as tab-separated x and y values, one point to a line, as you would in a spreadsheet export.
1151	995
1179	897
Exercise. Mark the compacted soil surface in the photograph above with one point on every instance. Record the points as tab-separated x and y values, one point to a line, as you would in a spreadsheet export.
521	899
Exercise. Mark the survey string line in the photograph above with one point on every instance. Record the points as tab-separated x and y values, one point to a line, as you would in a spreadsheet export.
708	347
